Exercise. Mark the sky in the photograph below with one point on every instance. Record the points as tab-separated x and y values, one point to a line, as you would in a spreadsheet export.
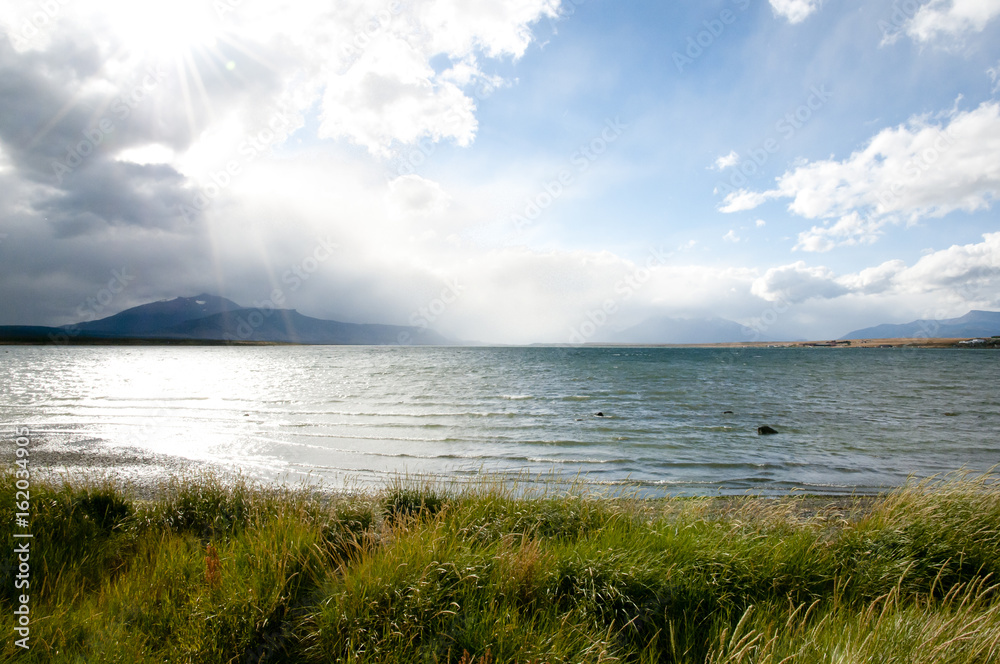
504	171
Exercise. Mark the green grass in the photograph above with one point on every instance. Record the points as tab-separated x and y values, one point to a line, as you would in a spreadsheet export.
217	571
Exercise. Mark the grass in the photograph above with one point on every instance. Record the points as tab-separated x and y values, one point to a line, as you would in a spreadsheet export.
217	571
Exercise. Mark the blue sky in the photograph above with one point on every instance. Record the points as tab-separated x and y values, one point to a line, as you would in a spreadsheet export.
802	167
604	62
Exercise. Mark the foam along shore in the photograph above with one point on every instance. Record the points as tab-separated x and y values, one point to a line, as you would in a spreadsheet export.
220	571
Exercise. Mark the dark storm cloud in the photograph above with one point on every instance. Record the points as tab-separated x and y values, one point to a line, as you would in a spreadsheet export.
63	122
36	88
117	193
49	280
60	134
74	216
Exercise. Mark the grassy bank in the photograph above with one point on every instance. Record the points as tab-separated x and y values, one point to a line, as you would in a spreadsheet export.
214	572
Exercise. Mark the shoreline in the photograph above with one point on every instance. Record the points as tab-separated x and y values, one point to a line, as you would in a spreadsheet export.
147	476
136	471
896	342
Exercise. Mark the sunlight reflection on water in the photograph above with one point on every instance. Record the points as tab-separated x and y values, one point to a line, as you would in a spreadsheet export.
850	420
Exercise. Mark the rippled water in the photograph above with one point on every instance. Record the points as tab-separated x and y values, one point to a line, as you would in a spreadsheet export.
850	419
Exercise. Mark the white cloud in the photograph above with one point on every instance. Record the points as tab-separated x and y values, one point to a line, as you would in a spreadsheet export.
970	272
414	195
873	280
744	199
951	19
910	172
953	280
389	92
392	94
731	236
369	61
849	230
795	11
459	27
960	277
942	284
797	283
726	161
147	154
760	223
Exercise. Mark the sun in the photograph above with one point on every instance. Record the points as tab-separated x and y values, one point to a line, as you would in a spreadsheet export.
165	30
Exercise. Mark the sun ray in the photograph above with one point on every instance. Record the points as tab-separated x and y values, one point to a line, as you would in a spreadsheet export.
51	124
247	52
186	94
199	83
215	60
157	31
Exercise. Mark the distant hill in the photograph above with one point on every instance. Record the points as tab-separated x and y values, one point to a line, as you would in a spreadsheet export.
155	317
29	333
289	326
973	324
666	330
210	318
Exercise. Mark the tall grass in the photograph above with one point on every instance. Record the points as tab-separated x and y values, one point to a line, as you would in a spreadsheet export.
226	571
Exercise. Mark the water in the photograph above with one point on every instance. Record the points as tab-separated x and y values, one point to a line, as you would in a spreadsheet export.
851	420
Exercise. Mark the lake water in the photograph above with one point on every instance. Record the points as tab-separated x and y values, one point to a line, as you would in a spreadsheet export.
849	419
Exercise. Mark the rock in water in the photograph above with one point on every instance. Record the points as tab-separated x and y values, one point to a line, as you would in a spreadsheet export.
765	430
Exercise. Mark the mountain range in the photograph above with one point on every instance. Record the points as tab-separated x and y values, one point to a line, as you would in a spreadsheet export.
210	318
665	330
973	324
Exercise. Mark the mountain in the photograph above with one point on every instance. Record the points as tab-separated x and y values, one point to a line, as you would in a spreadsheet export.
973	324
289	326
209	318
666	330
153	318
